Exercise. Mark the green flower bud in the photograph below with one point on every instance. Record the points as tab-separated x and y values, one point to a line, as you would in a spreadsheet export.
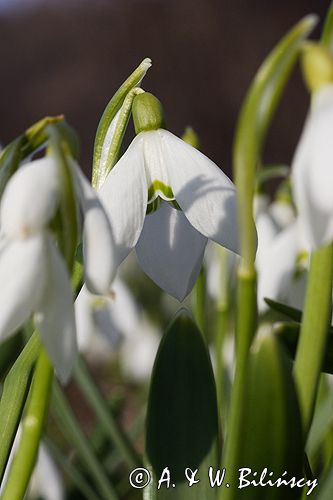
147	113
191	137
317	66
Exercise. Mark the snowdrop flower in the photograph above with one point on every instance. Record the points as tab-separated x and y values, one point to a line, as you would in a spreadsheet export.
312	173
112	316
281	258
33	275
166	199
107	324
282	267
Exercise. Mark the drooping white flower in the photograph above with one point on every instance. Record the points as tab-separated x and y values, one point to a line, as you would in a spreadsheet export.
282	267
312	172
281	258
165	198
33	275
114	323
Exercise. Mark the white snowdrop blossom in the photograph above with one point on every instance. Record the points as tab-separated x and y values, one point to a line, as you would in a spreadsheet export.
312	171
165	198
282	257
33	275
114	323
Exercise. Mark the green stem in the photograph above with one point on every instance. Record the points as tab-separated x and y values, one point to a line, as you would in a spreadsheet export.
109	424
71	428
200	300
15	390
245	328
221	332
313	334
32	428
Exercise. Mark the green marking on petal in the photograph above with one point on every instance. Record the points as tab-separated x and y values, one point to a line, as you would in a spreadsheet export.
158	188
154	205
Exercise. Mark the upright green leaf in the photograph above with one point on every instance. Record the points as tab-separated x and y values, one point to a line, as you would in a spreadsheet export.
327	34
182	422
272	434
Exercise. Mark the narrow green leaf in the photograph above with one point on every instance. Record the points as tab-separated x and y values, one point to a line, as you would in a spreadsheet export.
9	352
290	312
9	161
289	334
60	147
272	435
327	34
182	421
15	390
254	120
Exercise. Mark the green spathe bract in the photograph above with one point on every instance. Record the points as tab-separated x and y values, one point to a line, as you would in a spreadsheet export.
182	422
147	113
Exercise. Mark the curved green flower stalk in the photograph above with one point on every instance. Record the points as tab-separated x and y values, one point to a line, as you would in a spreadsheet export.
254	120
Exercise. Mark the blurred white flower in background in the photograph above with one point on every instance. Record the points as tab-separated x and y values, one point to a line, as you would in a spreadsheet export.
113	324
312	172
282	257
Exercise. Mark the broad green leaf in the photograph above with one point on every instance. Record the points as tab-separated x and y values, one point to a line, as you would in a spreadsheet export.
272	436
325	490
182	421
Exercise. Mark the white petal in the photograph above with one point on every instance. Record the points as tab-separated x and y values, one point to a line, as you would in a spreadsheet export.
124	196
23	268
316	225
30	198
138	352
205	194
84	319
277	279
170	251
321	159
155	166
112	316
98	244
55	315
267	231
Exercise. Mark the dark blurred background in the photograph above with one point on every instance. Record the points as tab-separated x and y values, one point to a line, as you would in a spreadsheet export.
70	56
